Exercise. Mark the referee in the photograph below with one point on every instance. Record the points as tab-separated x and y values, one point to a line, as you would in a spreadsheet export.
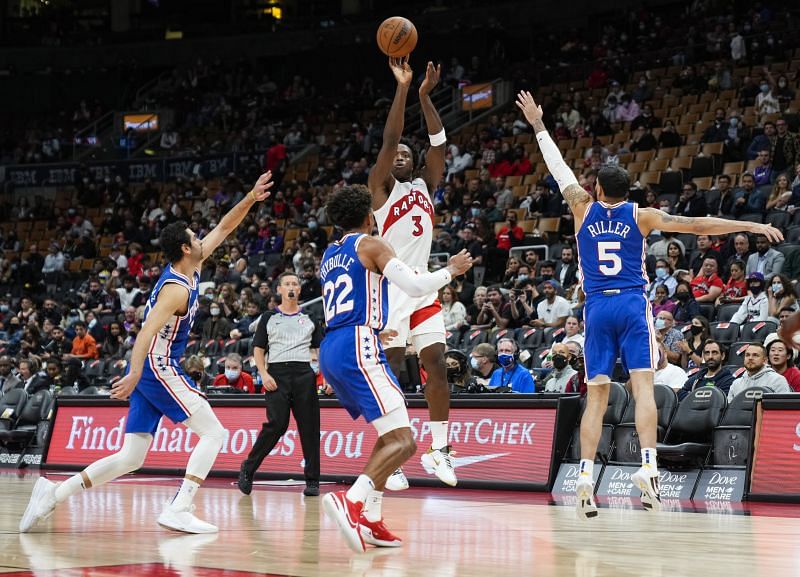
286	336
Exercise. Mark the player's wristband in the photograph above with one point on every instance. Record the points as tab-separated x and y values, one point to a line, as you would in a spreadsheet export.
438	139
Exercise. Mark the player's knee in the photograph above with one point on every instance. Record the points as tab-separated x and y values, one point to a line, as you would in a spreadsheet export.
406	445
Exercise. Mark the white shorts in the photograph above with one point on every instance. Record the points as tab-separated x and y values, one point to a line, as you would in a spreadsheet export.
419	319
395	419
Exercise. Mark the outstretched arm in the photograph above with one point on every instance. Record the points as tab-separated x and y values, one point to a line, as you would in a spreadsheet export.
236	215
434	160
653	219
378	256
577	198
380	180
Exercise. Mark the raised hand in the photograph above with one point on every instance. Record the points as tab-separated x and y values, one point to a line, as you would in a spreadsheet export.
261	188
773	234
432	75
527	104
460	263
401	70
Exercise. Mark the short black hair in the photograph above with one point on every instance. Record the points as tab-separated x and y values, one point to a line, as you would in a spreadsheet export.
80	324
349	207
615	180
172	239
722	348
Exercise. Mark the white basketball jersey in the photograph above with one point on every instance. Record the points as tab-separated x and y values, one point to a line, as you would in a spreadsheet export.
405	221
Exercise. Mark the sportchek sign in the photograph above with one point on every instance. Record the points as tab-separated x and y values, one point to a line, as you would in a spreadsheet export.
492	444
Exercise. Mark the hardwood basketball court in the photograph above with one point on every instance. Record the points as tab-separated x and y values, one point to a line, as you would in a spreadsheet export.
448	533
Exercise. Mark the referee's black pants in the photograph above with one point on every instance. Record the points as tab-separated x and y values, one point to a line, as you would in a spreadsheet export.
297	390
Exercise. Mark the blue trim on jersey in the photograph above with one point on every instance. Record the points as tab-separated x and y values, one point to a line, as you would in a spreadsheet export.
170	342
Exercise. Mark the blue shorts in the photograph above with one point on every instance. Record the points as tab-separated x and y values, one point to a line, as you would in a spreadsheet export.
619	326
353	362
164	389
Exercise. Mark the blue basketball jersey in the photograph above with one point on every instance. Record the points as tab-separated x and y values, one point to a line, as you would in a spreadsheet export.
611	248
170	341
353	295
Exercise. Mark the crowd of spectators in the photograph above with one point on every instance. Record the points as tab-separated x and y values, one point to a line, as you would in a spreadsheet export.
77	288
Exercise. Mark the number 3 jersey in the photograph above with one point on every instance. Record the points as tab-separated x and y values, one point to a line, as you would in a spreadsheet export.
405	221
352	295
611	248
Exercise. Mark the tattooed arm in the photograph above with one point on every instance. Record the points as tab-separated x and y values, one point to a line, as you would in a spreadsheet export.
653	219
577	198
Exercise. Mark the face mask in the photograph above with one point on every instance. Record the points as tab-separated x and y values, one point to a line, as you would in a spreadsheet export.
315	368
559	362
765	88
782	84
696	330
660	323
505	361
522	277
232	374
92	323
547	277
661	272
643	83
456	218
452	373
734	121
755	289
683	297
214	312
312	224
777	288
473	362
4	308
196	377
475	211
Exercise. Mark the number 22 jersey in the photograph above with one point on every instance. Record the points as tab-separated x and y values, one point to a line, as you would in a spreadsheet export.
611	248
352	295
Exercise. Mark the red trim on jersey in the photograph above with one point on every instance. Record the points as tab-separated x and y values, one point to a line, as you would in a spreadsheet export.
396	211
421	315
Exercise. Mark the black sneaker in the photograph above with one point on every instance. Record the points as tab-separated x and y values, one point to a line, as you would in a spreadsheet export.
312	489
245	480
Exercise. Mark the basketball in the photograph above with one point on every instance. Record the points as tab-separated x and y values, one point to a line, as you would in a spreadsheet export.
397	37
790	331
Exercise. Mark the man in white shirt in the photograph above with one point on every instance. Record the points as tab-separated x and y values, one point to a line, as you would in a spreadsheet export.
668	374
553	310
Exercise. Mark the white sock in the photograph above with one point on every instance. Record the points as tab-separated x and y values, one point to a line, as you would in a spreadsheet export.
361	489
185	495
69	487
372	506
438	434
649	458
587	466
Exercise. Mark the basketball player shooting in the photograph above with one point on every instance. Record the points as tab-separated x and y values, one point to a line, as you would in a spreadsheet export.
155	382
612	236
404	214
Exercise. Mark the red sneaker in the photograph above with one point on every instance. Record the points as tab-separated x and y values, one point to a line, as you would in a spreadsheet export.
346	514
376	533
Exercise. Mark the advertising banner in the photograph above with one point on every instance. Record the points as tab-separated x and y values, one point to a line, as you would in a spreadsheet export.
721	485
776	460
498	445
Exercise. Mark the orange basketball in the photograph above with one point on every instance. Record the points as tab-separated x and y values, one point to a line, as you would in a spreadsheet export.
397	37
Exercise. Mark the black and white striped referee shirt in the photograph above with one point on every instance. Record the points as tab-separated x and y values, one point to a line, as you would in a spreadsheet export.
287	338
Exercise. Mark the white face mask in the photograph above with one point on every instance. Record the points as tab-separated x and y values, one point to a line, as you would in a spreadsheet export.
214	312
232	374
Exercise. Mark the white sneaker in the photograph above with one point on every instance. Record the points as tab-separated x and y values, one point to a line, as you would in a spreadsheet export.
440	463
397	481
41	505
646	479
184	521
585	506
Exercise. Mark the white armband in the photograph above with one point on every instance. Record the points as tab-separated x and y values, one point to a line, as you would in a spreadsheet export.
413	284
438	139
554	161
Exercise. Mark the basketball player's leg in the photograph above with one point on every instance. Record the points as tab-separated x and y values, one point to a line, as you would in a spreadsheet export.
428	337
639	356
600	354
141	424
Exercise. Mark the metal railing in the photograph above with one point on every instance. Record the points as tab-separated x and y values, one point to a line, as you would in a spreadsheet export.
96	128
